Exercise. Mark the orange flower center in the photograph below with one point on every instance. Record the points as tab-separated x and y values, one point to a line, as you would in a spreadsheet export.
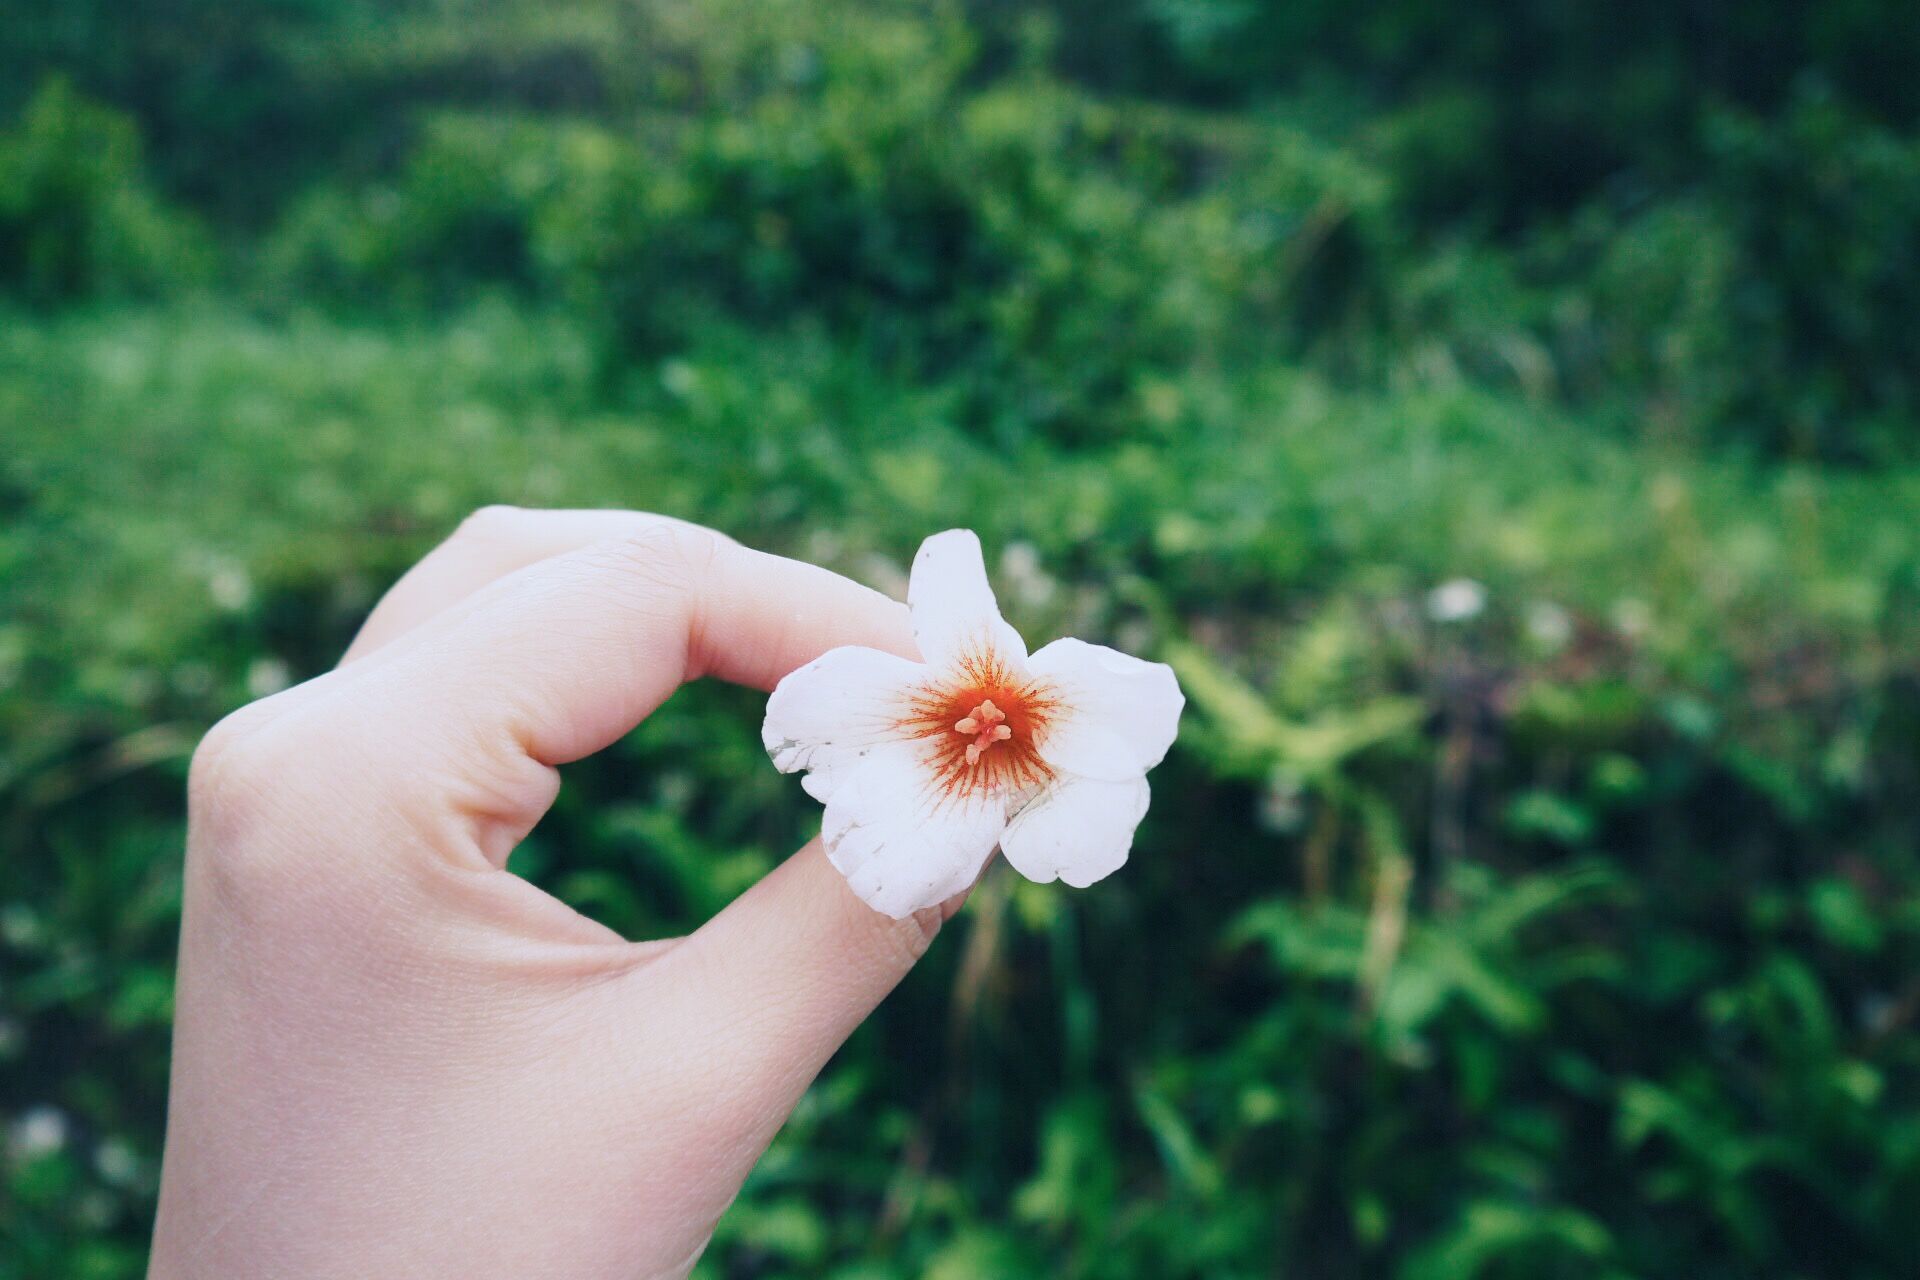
982	725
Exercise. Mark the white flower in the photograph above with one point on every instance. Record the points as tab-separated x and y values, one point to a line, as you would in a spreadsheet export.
925	766
38	1131
1550	626
229	585
1456	600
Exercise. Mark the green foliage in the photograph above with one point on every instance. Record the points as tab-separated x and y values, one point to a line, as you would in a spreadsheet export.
1031	243
1823	208
1547	940
1758	308
76	218
1684	228
1502	419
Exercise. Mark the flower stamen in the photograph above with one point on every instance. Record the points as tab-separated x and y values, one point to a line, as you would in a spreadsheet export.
978	707
983	725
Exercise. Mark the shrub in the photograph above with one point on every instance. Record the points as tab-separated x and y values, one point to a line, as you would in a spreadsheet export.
1055	254
76	217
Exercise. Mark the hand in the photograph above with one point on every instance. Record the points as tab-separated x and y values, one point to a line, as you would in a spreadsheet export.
394	1058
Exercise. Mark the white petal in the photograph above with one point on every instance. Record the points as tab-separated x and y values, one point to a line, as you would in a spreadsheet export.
1117	715
1078	830
955	617
829	714
901	843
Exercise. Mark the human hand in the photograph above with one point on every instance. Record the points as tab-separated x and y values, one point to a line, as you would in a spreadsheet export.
392	1057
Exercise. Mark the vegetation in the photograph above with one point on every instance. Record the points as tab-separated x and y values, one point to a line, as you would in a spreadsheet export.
1503	418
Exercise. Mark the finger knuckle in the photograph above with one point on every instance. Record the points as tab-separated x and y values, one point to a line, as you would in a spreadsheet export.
228	799
250	771
667	556
211	775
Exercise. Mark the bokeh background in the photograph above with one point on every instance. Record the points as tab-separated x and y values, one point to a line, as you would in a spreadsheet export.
1502	414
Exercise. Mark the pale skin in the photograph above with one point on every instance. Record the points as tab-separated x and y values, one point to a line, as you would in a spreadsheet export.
392	1057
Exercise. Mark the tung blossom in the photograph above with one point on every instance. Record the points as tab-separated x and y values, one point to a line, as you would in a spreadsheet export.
924	767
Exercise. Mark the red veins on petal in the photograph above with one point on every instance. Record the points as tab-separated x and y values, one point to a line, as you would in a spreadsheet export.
982	724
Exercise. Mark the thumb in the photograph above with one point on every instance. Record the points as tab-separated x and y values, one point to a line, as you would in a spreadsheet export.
810	958
769	989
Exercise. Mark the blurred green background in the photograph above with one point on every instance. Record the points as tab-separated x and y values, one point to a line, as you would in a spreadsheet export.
1503	415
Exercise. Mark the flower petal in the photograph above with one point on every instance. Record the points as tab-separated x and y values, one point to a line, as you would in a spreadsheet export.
828	715
901	842
1078	830
1116	715
955	616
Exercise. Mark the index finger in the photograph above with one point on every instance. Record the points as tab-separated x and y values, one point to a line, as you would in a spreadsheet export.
489	544
565	656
